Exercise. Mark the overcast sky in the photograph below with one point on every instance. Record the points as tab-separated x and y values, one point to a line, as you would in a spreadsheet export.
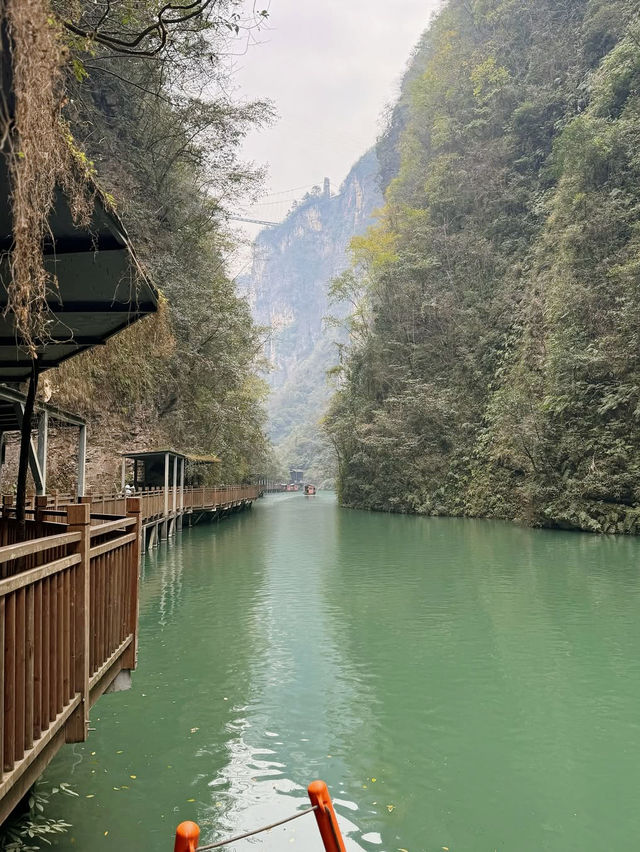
330	67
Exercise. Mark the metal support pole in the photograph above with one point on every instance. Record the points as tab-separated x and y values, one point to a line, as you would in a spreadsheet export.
164	529
82	459
43	449
175	485
182	487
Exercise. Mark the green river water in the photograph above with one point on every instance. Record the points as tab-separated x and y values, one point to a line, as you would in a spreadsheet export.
461	684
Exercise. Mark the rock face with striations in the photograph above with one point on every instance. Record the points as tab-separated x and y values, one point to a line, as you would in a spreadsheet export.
288	287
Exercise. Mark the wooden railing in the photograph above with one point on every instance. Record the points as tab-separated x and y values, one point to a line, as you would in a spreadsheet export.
52	509
114	557
39	642
153	500
220	497
68	625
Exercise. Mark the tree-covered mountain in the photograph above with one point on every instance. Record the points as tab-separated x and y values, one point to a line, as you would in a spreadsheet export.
165	148
493	367
288	287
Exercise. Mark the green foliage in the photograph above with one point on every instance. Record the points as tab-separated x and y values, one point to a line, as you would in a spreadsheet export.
499	376
189	377
25	831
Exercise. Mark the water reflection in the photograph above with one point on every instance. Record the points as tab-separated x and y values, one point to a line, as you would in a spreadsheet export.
505	664
457	683
301	705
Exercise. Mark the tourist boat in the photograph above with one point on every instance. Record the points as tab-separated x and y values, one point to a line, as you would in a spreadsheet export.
310	490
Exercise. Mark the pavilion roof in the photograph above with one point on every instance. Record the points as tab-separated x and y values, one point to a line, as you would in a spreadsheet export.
160	453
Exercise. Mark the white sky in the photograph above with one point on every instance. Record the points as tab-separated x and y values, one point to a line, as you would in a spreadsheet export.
330	67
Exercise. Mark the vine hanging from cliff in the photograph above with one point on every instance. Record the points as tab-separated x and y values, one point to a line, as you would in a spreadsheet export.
40	157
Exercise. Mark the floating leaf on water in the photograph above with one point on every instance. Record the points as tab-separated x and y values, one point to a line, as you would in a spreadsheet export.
191	800
193	730
133	776
106	832
391	808
119	751
373	780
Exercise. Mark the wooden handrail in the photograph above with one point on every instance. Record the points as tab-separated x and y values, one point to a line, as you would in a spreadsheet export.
37	545
68	625
112	526
108	546
27	578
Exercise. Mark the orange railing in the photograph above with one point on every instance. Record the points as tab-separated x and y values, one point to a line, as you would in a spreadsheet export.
188	833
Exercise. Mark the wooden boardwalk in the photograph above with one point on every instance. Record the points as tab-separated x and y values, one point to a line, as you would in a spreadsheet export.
166	510
69	611
68	623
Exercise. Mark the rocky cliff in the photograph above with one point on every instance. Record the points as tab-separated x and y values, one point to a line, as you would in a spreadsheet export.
292	267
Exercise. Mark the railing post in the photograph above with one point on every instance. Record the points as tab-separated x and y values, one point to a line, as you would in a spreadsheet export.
40	507
187	836
79	520
326	817
7	504
134	510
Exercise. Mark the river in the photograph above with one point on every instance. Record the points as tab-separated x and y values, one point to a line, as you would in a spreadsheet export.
462	685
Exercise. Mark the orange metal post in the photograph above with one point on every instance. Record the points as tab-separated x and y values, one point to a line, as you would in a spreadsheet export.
187	836
326	817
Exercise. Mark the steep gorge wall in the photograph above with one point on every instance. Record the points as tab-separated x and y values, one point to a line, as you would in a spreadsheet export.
496	372
288	290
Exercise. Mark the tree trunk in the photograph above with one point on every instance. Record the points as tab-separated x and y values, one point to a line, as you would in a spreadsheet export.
25	440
